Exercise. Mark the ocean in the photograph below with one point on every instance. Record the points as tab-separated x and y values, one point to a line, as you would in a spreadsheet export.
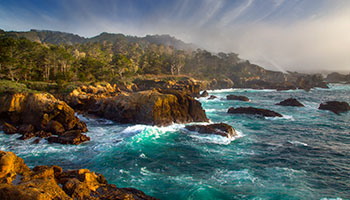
303	155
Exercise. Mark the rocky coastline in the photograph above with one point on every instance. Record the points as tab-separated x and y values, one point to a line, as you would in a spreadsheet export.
19	182
53	117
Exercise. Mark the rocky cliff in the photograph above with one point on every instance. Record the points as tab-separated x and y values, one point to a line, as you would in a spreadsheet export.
40	115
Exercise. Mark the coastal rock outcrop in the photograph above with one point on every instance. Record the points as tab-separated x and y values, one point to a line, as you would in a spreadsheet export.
159	107
183	84
335	106
238	98
81	98
224	83
290	102
221	129
254	111
31	114
18	182
338	78
204	94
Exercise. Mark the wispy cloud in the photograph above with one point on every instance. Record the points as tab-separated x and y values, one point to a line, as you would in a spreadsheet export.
280	34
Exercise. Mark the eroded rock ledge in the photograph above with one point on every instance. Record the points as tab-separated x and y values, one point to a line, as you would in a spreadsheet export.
159	107
18	182
41	115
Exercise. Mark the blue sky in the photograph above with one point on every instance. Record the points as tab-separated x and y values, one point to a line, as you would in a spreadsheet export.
280	34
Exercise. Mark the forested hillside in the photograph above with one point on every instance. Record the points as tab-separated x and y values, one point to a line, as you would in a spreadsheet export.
55	56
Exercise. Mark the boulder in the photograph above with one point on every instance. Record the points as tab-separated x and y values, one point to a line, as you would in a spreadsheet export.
290	102
18	182
221	129
239	98
31	114
212	97
154	107
204	94
69	137
335	106
253	111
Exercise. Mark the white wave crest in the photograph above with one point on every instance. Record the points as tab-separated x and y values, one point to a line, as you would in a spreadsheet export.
240	90
215	139
284	117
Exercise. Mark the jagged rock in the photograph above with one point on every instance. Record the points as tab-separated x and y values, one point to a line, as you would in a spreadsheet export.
204	94
34	113
55	127
221	129
26	128
253	111
10	166
212	97
335	106
41	134
69	137
9	129
290	102
220	84
18	182
239	98
154	107
83	97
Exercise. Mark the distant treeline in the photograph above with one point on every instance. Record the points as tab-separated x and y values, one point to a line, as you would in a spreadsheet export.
22	59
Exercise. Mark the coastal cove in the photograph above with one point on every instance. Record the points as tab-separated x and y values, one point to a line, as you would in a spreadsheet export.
305	154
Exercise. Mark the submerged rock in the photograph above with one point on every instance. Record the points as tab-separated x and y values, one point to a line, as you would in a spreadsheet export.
290	102
239	98
31	114
154	107
335	106
254	111
221	129
212	97
18	182
204	94
70	137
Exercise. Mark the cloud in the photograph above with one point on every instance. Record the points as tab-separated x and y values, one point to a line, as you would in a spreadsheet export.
278	34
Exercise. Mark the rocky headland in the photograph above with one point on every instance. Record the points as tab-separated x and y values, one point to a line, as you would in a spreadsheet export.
41	115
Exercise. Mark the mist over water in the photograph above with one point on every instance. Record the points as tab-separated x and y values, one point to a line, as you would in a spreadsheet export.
303	155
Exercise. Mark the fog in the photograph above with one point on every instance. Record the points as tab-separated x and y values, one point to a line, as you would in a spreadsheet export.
297	35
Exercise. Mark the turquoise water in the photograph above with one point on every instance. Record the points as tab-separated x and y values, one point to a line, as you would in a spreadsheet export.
304	155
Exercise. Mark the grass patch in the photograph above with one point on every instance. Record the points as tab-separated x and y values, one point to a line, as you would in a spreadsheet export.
7	86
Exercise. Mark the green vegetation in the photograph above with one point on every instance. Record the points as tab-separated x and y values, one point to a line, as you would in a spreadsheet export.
13	87
108	60
57	61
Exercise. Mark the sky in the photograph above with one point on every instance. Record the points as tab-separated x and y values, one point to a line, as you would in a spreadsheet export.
295	35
